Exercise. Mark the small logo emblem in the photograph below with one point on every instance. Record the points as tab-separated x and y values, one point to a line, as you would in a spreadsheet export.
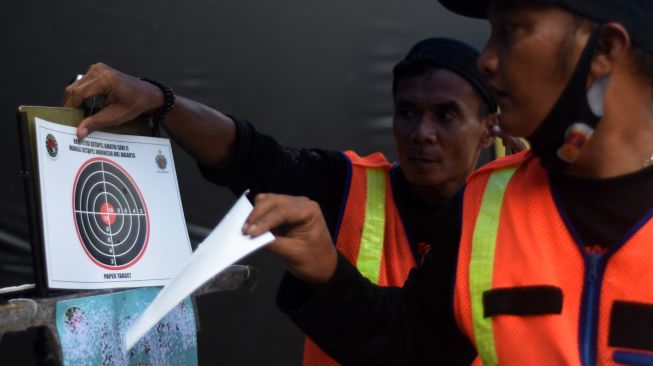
161	161
51	145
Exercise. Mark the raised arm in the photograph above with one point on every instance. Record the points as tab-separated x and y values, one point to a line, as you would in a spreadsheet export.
205	133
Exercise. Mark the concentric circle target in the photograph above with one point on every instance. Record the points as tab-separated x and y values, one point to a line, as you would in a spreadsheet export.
110	214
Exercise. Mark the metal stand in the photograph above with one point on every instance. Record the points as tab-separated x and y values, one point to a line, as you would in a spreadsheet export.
24	313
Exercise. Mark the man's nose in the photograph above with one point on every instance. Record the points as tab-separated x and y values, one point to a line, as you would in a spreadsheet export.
488	61
426	130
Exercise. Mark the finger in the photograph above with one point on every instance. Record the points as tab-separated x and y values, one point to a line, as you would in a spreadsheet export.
71	92
266	206
71	89
88	86
92	83
262	203
88	125
272	211
71	96
108	116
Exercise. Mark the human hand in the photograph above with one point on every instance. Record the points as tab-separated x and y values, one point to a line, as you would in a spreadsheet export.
302	238
126	97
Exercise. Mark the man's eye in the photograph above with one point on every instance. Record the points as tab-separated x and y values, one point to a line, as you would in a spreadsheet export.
508	30
447	116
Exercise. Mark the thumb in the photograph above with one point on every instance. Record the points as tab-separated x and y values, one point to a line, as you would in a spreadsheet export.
110	115
85	127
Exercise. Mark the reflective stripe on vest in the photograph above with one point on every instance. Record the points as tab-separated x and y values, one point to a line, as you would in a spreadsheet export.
482	261
369	222
595	318
371	247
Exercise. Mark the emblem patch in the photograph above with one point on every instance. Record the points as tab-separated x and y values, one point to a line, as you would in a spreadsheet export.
51	145
161	161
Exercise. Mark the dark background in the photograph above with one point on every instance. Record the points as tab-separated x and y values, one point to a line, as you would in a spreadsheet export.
311	73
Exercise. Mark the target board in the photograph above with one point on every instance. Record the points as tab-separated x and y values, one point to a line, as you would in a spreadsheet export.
125	226
110	214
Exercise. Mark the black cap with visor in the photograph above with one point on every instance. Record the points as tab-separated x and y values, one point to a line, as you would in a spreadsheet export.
632	14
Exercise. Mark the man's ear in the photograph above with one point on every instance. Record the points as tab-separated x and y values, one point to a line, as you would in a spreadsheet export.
613	47
487	139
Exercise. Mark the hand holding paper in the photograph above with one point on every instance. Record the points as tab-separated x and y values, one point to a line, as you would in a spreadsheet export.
225	245
302	238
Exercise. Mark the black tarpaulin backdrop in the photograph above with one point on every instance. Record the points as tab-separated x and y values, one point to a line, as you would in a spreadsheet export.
311	73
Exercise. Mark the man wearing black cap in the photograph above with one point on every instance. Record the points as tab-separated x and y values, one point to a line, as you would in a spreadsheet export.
546	260
379	215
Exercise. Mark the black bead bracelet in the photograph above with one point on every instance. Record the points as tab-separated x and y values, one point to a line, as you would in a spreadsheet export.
168	102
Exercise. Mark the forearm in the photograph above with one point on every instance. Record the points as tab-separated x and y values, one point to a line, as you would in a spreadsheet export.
205	133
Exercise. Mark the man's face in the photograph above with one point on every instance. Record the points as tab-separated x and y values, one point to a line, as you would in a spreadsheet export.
529	58
437	130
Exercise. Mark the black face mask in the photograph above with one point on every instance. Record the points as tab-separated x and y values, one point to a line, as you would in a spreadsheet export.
559	139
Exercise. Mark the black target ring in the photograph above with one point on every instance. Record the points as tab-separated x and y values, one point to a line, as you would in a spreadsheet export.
110	214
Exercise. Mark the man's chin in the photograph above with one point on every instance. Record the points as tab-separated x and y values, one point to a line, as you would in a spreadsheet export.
425	181
424	168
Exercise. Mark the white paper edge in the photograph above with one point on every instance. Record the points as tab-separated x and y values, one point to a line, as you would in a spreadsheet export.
203	265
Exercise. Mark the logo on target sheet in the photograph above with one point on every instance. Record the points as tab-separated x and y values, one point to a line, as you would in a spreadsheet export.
51	146
161	160
110	214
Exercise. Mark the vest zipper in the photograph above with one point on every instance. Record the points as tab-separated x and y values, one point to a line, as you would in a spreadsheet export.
588	340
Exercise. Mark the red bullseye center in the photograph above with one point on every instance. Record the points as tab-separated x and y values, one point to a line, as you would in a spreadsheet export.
108	213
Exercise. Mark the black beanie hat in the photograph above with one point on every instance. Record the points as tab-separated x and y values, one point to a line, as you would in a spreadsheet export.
632	14
452	55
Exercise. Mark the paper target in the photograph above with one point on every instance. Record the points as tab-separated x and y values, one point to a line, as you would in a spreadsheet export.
110	213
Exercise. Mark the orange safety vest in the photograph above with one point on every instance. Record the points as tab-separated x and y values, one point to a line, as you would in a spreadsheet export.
371	234
528	292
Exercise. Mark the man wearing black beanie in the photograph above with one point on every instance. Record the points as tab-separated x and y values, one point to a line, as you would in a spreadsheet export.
379	214
550	249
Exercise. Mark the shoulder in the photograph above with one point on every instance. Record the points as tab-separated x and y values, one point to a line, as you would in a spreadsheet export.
508	161
374	160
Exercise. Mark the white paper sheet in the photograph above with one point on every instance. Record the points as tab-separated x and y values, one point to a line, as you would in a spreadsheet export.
225	245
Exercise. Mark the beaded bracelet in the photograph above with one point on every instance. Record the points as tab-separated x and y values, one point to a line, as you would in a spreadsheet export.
168	102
